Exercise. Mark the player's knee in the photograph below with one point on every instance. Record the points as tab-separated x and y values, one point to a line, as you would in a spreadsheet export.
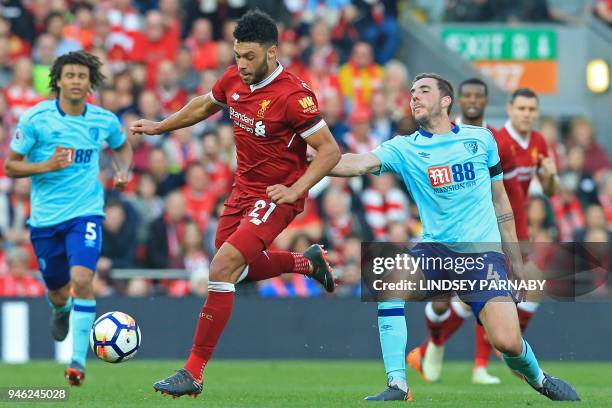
221	269
508	345
59	297
82	283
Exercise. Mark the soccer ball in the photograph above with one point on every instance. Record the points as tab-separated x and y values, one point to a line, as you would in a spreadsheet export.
115	337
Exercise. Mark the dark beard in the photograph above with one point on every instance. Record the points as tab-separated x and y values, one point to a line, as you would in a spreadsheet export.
260	74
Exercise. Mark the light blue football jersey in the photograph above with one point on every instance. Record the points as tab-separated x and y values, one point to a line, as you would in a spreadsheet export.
448	177
75	191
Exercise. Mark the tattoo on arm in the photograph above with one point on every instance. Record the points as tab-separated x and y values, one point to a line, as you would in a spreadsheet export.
505	218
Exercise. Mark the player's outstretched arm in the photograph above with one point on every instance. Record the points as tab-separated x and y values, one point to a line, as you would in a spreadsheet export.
356	165
198	109
17	166
507	229
327	156
122	162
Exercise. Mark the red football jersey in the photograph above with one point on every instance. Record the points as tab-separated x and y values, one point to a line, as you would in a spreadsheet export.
516	196
526	153
271	120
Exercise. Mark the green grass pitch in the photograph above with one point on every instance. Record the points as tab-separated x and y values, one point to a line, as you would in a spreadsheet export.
302	384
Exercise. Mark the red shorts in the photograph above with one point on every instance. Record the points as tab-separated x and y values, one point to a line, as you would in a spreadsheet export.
251	223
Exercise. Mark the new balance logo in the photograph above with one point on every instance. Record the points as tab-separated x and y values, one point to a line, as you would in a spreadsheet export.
439	176
260	129
235	96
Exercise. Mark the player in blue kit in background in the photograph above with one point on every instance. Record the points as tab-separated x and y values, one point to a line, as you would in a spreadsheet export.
58	144
454	175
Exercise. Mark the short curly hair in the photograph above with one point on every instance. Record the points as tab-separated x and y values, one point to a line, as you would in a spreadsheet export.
76	58
258	27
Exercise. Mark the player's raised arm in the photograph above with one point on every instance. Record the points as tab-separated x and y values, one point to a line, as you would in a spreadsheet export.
356	165
198	109
326	158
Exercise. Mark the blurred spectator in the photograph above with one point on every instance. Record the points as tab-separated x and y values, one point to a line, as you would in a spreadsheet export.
164	181
582	134
595	219
349	270
188	78
195	262
200	43
6	66
123	17
164	241
321	51
331	110
289	56
119	235
397	96
383	128
360	139
182	148
82	28
168	92
291	284
586	189
219	173
16	45
603	10
605	194
382	31
147	205
323	81
227	147
199	194
54	25
340	221
195	259
19	282
384	204
150	108
345	33
550	130
14	212
44	55
158	43
360	77
116	43
20	95
329	11
539	216
569	12
125	91
566	208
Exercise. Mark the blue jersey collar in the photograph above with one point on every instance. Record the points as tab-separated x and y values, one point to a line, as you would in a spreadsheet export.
59	109
425	133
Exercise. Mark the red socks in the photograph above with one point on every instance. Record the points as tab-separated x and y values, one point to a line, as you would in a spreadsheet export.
524	318
483	348
212	320
270	264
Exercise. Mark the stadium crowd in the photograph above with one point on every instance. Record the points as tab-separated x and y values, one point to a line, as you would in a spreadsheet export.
159	54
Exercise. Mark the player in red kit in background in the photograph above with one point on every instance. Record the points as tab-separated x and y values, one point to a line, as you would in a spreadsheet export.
275	116
444	317
531	158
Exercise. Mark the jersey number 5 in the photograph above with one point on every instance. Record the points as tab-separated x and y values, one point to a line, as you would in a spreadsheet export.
260	205
90	231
